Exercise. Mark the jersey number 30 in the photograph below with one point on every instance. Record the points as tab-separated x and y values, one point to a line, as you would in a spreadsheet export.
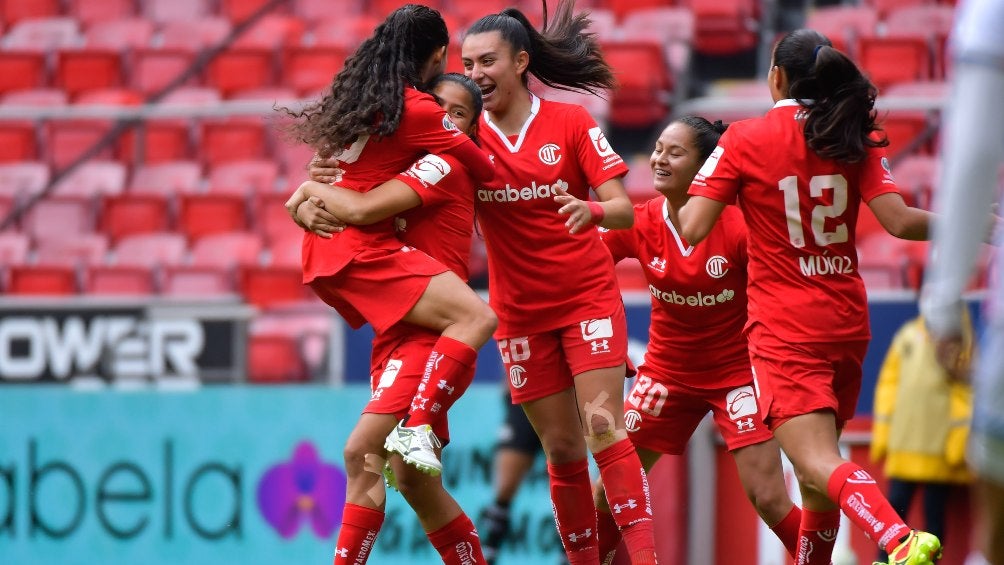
820	213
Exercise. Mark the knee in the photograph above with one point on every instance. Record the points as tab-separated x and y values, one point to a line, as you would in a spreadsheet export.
564	447
487	321
356	454
769	497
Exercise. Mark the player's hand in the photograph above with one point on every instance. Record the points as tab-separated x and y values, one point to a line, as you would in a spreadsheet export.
298	197
324	169
577	211
318	220
953	356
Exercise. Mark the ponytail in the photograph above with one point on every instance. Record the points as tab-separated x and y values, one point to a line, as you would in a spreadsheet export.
706	134
839	100
563	55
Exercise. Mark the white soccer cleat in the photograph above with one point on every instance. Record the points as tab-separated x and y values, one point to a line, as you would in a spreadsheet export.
417	445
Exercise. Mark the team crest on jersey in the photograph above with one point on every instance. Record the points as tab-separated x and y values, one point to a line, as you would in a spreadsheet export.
549	154
600	142
517	376
632	420
717	266
429	169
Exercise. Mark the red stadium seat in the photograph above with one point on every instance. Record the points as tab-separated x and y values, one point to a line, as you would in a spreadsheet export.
17	10
173	10
193	96
154	69
68	140
603	23
90	12
916	177
232	139
93	178
890	59
118	280
150	249
883	7
309	325
194	34
643	97
240	10
241	68
243	177
130	214
275	359
81	249
21	70
843	24
725	27
227	249
40	97
624	7
270	286
275	94
294	157
906	131
68	216
14	247
159	141
204	214
84	69
43	34
203	281
167	178
17	141
344	30
271	32
44	280
110	97
630	275
271	219
314	10
310	70
120	34
24	178
286	251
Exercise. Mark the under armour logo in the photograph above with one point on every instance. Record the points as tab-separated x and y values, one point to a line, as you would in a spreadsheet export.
630	504
342	552
657	264
599	346
747	423
418	403
574	537
443	386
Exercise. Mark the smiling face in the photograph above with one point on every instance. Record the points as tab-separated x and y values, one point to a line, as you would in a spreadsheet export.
456	100
675	160
491	62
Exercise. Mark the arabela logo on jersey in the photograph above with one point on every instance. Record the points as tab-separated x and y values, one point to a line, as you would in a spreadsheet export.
516	376
717	266
549	154
699	299
632	420
533	192
429	170
600	143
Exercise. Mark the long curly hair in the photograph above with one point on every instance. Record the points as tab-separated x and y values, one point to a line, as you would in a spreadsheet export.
367	95
839	99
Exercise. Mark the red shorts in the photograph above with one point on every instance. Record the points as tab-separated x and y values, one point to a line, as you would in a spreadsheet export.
793	379
543	364
661	414
378	286
394	379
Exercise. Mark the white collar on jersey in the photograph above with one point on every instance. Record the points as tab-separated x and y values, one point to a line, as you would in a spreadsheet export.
534	108
672	229
792	102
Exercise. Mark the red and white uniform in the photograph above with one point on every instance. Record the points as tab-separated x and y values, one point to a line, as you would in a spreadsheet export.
540	276
371	161
442	228
697	358
801	211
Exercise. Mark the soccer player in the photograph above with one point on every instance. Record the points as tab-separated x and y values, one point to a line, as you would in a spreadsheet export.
379	123
562	333
798	174
437	196
697	359
973	150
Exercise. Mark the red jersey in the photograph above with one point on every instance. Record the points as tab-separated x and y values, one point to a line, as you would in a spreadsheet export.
698	295
540	277
370	161
801	211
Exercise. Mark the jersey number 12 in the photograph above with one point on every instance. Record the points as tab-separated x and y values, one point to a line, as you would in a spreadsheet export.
793	211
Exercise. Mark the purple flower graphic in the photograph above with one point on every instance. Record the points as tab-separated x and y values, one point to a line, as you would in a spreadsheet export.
302	489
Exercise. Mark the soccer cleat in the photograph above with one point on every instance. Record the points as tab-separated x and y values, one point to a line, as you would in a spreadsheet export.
417	446
918	548
388	476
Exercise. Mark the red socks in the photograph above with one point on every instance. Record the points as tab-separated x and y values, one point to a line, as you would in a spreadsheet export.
865	505
816	536
458	542
574	511
610	536
627	493
787	530
448	373
358	533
